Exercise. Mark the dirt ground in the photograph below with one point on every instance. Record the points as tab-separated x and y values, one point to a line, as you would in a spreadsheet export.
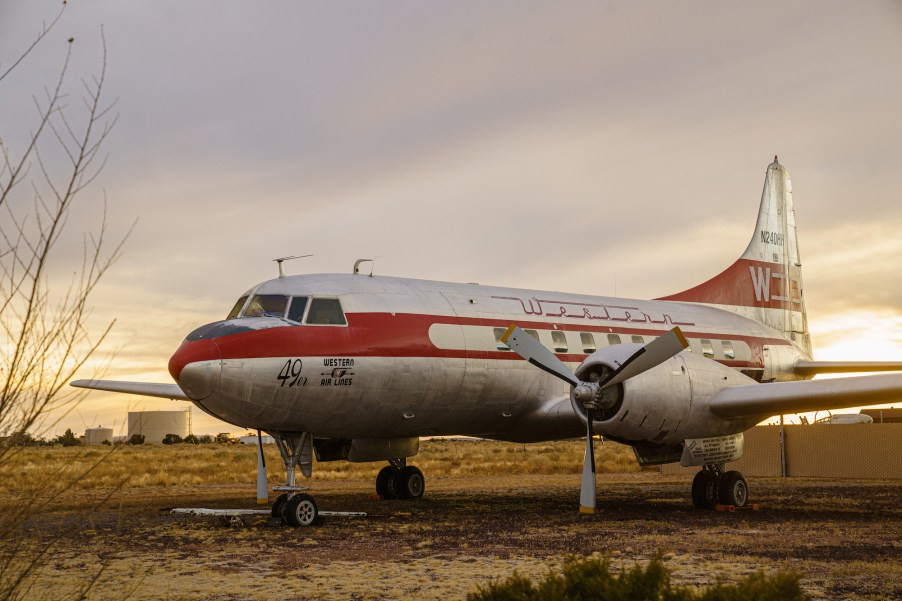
845	538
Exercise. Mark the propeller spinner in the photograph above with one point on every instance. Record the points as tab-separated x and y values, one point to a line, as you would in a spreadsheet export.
591	394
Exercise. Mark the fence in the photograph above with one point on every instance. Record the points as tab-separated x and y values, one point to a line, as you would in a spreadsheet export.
818	451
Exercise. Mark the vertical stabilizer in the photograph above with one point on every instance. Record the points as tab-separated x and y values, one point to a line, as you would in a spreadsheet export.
765	283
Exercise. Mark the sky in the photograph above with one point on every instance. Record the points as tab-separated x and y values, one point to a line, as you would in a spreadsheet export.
593	147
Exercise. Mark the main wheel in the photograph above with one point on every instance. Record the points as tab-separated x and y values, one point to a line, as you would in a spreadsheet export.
410	483
300	510
279	505
704	490
386	482
733	489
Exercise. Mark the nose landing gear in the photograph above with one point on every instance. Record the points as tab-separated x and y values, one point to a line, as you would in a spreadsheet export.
295	507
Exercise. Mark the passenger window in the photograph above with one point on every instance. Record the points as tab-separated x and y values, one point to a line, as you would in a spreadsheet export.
559	340
707	348
638	339
267	305
326	311
728	351
532	333
296	308
237	308
499	344
613	339
588	342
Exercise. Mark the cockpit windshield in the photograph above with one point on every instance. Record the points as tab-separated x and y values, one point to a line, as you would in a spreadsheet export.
267	305
319	311
237	308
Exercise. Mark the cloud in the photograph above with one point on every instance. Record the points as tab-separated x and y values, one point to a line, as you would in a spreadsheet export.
521	144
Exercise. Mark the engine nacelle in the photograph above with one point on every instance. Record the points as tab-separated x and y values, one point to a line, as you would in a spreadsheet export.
664	405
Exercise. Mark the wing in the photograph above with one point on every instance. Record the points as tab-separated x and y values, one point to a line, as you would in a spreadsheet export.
810	368
164	391
765	400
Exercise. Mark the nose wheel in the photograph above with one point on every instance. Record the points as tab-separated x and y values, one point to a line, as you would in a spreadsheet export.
295	507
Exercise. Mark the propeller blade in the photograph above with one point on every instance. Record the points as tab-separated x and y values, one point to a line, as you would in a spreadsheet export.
651	355
587	485
533	351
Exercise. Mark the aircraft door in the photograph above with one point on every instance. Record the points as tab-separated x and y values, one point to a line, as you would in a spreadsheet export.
475	364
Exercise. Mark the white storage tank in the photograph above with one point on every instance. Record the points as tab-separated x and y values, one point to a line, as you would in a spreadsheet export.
98	435
265	439
155	425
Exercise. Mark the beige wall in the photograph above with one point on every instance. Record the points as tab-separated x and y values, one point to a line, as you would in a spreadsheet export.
819	451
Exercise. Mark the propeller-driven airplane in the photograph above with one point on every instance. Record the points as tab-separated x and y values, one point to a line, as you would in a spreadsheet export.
356	367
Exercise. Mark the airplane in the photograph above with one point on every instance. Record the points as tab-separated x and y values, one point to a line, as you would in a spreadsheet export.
358	367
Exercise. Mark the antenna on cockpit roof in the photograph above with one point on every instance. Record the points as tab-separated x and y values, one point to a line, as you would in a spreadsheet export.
279	261
359	261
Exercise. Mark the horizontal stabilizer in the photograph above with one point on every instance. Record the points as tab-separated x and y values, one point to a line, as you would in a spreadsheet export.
810	368
765	400
163	391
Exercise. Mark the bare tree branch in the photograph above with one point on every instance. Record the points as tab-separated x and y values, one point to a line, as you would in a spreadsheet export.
46	328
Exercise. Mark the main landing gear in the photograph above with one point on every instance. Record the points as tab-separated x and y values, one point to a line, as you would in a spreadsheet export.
295	507
400	481
713	486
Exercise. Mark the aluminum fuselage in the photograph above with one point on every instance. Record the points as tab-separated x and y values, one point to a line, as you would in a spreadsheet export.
421	358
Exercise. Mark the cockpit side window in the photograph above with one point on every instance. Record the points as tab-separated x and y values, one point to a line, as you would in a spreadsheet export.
326	311
296	308
237	308
267	305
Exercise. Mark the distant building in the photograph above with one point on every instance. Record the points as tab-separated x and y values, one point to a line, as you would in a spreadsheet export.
155	425
98	435
884	416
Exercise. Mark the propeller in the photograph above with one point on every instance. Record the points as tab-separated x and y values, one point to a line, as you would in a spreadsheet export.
591	394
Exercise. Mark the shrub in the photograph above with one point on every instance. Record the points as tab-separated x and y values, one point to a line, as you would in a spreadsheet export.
223	437
136	439
172	439
591	578
191	439
205	439
20	439
67	439
106	442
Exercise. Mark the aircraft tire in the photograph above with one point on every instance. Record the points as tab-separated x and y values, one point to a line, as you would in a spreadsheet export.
300	510
704	490
386	482
410	483
279	505
733	489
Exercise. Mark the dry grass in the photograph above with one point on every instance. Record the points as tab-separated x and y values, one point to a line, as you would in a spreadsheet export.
148	466
484	515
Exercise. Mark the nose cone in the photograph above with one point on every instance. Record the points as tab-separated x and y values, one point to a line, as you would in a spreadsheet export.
196	366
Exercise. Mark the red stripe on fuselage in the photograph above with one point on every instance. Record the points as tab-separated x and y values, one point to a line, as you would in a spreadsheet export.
407	335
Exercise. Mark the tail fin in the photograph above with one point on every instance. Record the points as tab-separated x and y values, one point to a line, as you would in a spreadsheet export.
765	284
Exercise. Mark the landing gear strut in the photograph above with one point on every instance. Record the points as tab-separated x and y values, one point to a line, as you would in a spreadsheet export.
400	481
712	486
295	507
